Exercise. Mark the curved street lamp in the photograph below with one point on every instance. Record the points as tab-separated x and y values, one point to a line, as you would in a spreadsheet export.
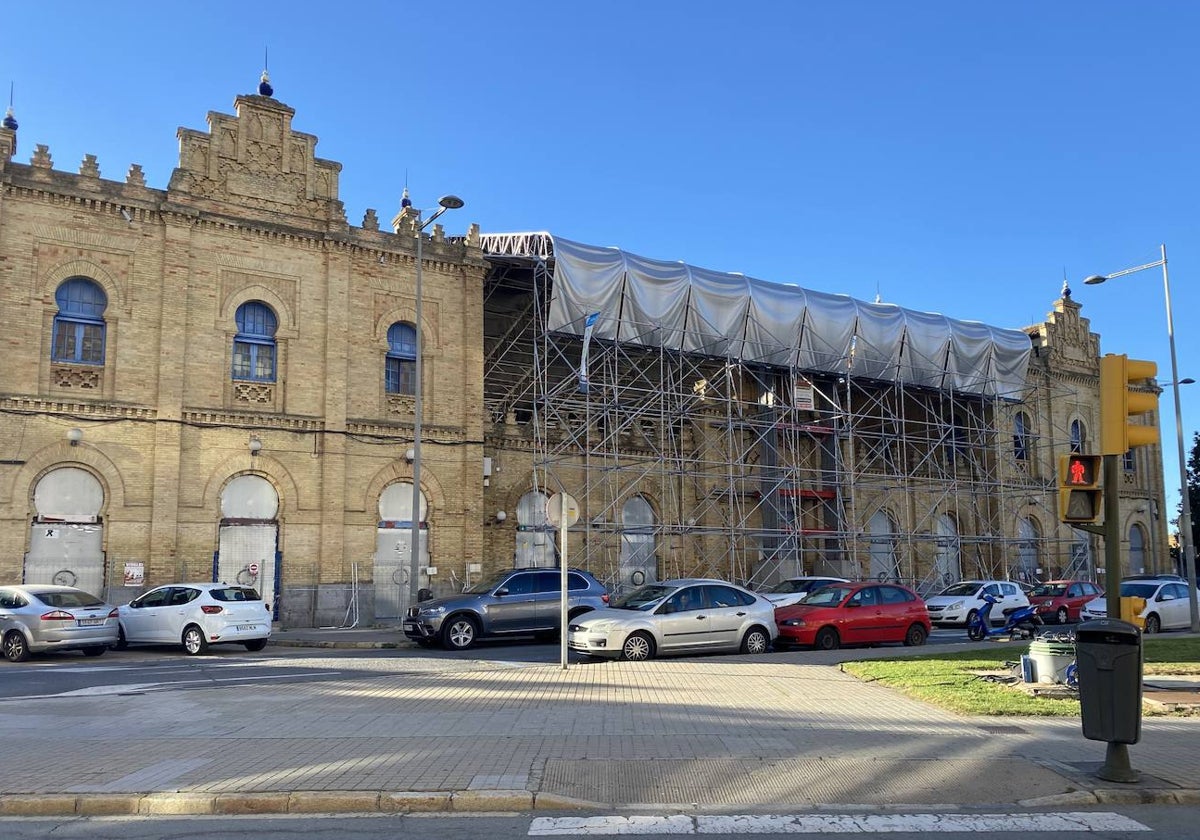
446	202
1185	515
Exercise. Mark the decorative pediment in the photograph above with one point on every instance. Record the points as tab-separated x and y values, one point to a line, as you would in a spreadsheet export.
256	160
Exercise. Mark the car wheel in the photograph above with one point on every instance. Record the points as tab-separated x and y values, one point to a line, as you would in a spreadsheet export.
16	649
256	644
194	643
1153	623
756	640
827	639
1062	616
971	616
98	650
916	636
460	632
122	642
638	647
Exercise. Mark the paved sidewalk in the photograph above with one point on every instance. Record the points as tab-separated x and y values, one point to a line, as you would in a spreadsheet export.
774	733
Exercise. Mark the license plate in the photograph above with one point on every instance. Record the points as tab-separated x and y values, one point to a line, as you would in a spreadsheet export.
247	627
90	622
410	628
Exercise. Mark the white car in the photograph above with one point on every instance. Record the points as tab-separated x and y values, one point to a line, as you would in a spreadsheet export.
957	604
692	615
790	591
196	615
1167	606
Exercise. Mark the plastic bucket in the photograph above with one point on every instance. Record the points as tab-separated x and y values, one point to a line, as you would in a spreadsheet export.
1051	659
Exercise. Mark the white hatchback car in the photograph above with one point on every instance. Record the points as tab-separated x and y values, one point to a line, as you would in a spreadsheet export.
196	615
677	616
1167	605
791	591
957	604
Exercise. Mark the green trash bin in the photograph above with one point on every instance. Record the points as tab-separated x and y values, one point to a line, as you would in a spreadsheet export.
1108	658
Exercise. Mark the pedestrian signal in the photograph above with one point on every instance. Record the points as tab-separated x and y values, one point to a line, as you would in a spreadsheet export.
1080	498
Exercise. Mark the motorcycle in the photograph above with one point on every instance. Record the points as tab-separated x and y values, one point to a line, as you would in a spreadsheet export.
1022	622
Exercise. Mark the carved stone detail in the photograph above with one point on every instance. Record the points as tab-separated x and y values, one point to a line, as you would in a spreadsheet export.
72	376
255	393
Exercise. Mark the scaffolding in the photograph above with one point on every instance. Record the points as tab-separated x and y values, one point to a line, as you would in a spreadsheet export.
704	463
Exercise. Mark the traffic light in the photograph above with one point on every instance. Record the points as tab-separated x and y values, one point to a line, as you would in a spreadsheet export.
1118	404
1080	498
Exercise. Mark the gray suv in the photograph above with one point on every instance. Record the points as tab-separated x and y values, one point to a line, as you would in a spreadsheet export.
518	601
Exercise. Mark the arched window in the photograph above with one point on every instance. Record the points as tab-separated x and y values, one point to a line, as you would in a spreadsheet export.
79	325
401	374
1137	549
254	345
1078	436
1021	436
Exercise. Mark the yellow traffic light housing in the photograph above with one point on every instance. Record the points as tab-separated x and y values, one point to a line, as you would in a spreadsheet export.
1118	403
1080	498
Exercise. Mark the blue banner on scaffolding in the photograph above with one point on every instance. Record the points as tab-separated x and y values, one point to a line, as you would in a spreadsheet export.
588	323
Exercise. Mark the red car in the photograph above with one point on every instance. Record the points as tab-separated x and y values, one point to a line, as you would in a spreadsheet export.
1061	600
853	614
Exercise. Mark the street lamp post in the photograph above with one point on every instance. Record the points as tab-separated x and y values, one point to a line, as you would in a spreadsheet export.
446	202
1185	516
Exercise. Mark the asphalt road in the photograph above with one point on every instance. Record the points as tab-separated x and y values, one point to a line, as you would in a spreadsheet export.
1175	822
163	668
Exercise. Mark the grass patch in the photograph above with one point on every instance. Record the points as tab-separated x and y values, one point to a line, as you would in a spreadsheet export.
953	681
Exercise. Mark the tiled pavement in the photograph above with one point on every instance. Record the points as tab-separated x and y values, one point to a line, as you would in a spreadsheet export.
711	733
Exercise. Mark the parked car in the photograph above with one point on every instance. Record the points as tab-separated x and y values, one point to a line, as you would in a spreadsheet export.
854	613
789	591
515	602
692	615
1167	606
35	618
1061	600
1155	577
196	615
958	604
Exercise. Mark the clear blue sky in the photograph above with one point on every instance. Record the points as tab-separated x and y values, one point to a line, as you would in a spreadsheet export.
956	157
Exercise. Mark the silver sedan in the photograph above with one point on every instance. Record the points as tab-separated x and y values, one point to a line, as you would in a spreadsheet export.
36	618
677	616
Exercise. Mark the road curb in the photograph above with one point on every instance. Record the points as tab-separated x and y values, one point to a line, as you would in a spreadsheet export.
458	801
307	643
285	802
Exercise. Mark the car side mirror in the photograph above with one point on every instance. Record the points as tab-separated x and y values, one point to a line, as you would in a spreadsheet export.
500	593
665	609
854	604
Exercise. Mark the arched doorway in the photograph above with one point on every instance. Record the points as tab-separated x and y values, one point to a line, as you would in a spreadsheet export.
948	560
535	535
248	551
882	538
1028	540
639	564
1137	549
66	539
393	552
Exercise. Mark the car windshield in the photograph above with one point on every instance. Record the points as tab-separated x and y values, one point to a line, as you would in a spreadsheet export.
1049	590
67	599
234	593
958	590
785	587
1139	589
643	598
827	596
488	584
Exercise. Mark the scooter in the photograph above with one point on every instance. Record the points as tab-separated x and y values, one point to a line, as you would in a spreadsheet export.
1022	622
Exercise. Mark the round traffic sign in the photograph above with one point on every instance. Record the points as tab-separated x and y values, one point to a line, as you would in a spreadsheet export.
561	508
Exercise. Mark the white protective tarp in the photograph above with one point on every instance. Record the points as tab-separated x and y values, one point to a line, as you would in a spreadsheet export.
654	303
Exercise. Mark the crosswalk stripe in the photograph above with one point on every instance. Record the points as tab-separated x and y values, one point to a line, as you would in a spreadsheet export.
816	823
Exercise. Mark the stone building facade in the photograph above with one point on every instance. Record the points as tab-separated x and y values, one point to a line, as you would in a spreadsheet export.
214	381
